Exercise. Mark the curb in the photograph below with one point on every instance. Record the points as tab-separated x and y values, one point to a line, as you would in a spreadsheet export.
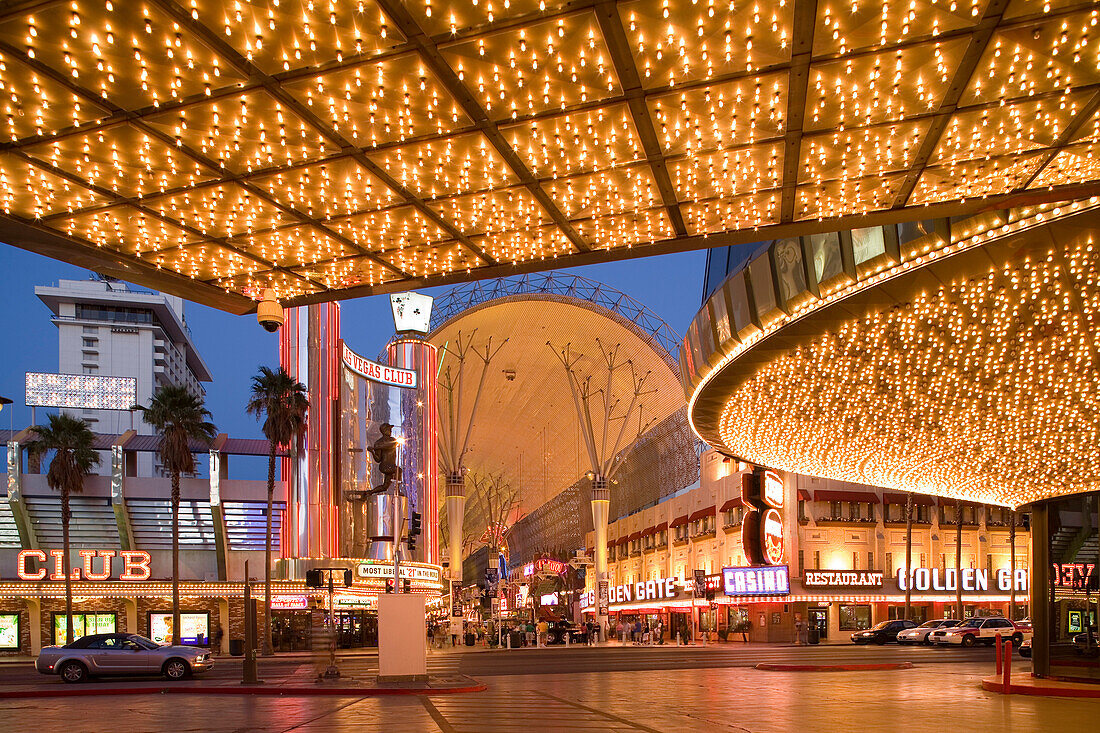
243	690
768	667
993	684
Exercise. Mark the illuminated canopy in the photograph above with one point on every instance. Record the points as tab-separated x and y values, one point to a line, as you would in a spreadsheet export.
326	149
960	363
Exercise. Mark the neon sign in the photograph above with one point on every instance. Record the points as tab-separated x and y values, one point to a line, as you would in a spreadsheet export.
974	580
762	528
842	579
135	565
1073	574
772	580
395	376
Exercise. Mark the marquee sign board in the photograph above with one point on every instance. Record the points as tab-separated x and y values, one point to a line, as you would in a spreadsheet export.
769	580
87	391
842	579
372	370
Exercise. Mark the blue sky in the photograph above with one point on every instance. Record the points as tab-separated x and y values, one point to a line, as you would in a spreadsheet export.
234	346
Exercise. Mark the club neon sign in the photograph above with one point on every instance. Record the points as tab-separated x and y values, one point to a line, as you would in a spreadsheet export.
135	565
372	370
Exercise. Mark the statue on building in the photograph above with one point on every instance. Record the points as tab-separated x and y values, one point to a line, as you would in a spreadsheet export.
384	452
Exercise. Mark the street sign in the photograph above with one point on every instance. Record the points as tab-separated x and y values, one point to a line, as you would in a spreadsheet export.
604	601
700	584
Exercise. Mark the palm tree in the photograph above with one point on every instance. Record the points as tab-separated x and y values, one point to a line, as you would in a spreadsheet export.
71	440
179	416
283	400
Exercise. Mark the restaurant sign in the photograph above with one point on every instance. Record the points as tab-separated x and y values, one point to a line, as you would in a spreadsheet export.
842	579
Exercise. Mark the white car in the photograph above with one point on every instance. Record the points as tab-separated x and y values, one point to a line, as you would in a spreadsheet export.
920	634
980	631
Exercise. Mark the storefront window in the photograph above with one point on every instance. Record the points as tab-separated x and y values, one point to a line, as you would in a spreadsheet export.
1074	584
194	628
83	624
9	631
855	618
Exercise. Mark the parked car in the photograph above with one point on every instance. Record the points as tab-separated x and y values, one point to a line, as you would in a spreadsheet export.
883	632
559	630
1025	649
1087	644
120	654
919	635
980	631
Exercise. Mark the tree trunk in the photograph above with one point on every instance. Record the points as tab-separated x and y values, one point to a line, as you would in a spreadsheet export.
175	558
66	515
958	557
909	555
1012	564
268	647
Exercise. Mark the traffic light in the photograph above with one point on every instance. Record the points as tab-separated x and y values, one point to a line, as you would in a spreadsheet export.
347	577
414	530
313	579
389	585
406	585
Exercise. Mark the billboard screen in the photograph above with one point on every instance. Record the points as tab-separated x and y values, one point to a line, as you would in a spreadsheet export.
80	390
194	628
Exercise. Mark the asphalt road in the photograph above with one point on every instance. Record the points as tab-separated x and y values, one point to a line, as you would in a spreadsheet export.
588	659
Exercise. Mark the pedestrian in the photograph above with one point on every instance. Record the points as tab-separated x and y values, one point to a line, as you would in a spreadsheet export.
637	631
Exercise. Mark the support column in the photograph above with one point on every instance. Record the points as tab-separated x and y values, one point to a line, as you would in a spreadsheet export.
223	619
1041	590
218	466
118	494
601	507
27	536
34	618
456	510
131	615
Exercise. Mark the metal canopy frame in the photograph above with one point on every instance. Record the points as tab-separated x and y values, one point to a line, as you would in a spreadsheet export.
556	232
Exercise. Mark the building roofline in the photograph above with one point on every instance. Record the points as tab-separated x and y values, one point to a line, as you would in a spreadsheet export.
169	319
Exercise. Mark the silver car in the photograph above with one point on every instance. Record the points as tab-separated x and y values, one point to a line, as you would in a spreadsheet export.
120	654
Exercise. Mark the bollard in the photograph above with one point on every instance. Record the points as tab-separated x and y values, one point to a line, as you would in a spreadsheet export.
567	637
997	643
1007	679
508	641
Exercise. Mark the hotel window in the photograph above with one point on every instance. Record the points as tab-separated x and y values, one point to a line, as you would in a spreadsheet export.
801	563
855	560
922	564
889	563
853	511
802	516
870	561
921	514
817	559
834	510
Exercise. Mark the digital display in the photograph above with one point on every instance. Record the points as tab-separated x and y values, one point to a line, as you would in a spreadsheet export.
80	390
83	624
9	630
194	628
771	580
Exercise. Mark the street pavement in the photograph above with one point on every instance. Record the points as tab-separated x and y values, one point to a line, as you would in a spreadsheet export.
931	697
479	662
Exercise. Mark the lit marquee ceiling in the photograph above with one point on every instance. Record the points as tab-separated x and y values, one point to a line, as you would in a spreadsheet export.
968	367
331	149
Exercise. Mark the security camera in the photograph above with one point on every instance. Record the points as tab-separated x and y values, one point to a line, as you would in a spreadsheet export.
269	313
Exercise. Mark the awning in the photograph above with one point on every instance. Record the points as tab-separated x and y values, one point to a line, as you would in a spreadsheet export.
804	495
679	521
949	501
648	531
634	536
731	504
919	499
863	497
707	512
661	527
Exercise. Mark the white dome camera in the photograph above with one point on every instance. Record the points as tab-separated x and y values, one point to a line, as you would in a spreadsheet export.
269	313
